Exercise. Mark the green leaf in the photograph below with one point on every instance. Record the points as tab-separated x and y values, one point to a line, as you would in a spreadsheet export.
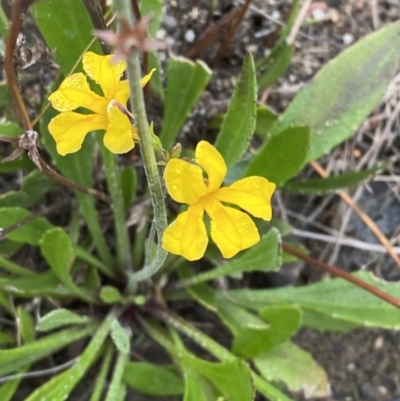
282	156
336	298
121	337
155	8
82	254
111	295
202	293
128	185
265	121
268	390
59	387
5	303
344	91
116	388
295	367
28	233
321	322
332	183
236	317
240	120
101	377
43	284
252	341
231	378
73	34
56	248
15	268
6	338
7	390
264	256
34	186
9	248
196	387
59	318
4	93
26	325
278	63
22	162
152	379
9	128
156	82
186	82
14	359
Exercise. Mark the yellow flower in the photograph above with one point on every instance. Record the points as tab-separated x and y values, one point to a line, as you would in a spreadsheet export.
231	229
70	128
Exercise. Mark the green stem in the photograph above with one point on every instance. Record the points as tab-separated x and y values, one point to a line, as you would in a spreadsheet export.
15	268
123	251
123	7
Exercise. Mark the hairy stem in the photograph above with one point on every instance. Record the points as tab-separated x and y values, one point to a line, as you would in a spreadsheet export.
123	7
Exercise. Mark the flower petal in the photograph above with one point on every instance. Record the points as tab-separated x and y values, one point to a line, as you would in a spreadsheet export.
122	92
184	181
252	194
69	129
118	137
212	163
75	92
187	235
231	229
104	72
146	78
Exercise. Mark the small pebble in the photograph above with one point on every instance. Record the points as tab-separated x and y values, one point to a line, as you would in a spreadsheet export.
348	39
378	343
170	21
161	34
276	15
351	367
318	14
251	48
189	36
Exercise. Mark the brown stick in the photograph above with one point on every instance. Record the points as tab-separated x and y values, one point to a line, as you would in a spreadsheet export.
228	39
344	275
211	34
363	216
19	9
46	169
95	12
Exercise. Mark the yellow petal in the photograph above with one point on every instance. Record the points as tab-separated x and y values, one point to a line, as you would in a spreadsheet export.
231	229
187	235
118	137
122	93
69	129
212	163
75	92
147	78
252	194
106	74
184	181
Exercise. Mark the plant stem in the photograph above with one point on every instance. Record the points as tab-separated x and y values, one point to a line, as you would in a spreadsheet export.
123	7
124	262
